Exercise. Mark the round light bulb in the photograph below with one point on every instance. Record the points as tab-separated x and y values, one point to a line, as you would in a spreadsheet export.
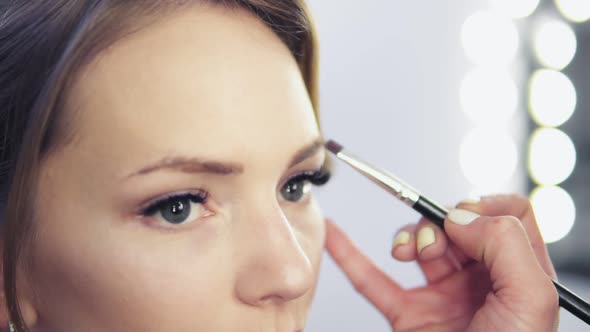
555	212
574	10
516	8
555	44
489	96
552	156
488	158
552	97
490	38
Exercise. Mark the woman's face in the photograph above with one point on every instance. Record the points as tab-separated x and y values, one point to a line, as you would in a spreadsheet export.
174	207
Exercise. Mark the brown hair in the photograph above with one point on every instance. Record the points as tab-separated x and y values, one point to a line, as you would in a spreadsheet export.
42	46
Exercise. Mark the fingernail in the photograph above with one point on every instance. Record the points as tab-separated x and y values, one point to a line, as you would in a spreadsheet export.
402	237
471	200
462	217
426	237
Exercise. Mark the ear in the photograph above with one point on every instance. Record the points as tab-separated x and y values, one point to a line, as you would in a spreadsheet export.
27	308
3	310
3	305
26	300
28	311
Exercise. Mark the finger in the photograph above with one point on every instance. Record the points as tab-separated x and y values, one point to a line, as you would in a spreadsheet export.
404	244
520	207
413	242
502	244
458	255
422	240
434	258
454	253
384	293
431	241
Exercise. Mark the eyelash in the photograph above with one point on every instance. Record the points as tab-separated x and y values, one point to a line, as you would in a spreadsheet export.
318	178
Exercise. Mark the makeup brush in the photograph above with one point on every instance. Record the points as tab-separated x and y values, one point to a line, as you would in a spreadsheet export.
436	213
432	211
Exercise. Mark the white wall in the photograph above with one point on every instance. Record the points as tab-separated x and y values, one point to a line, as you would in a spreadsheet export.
390	74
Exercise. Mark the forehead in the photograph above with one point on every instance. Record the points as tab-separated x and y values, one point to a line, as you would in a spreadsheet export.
208	80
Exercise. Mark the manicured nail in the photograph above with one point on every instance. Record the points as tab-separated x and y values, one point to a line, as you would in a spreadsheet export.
462	217
402	237
426	237
471	200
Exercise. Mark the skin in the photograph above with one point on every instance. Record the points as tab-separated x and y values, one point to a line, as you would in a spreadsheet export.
492	274
221	88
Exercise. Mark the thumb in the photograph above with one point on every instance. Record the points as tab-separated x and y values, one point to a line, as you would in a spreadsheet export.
502	245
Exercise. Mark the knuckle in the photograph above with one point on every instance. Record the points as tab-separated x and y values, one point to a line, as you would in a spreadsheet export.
518	198
361	285
521	201
548	298
498	227
504	224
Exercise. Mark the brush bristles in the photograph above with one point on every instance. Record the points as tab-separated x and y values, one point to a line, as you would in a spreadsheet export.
333	147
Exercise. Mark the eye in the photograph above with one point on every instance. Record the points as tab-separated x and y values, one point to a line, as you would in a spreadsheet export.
178	209
293	191
299	186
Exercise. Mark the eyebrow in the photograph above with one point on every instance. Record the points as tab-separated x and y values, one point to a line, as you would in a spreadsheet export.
192	165
198	165
306	152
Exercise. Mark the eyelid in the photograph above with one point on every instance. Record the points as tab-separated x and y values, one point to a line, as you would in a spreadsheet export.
319	161
297	175
320	174
155	219
143	207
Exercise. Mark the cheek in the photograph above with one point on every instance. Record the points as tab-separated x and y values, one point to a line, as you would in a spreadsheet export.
309	227
129	278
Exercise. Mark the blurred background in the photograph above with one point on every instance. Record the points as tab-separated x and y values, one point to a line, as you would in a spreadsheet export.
458	98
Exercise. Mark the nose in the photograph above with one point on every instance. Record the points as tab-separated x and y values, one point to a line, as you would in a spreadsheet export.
273	267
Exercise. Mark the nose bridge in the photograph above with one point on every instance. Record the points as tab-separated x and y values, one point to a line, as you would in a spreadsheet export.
272	264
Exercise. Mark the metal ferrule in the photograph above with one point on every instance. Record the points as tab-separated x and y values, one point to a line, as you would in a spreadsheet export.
385	180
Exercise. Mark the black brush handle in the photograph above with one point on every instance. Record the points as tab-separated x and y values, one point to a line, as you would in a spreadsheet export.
431	211
567	299
573	303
